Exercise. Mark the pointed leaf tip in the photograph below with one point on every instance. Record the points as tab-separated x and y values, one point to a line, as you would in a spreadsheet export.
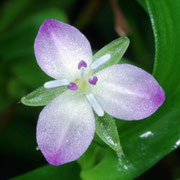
106	129
116	49
41	96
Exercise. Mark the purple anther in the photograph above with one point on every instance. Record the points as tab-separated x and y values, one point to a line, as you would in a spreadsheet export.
72	86
82	64
93	81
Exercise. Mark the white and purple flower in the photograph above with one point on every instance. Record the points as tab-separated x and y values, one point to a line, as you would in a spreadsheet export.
66	125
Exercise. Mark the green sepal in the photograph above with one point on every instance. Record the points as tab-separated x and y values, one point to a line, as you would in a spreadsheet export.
106	129
41	96
116	49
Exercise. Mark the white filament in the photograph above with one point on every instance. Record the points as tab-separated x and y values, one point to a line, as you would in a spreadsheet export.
82	72
56	83
100	61
95	104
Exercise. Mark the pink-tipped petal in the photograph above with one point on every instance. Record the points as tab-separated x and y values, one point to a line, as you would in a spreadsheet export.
59	48
65	128
128	92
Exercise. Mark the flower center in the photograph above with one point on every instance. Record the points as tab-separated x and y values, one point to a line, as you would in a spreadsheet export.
82	84
84	81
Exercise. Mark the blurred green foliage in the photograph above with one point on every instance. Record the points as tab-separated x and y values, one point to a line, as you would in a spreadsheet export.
20	74
66	171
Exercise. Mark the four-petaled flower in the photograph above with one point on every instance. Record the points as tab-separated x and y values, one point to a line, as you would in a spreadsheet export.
66	125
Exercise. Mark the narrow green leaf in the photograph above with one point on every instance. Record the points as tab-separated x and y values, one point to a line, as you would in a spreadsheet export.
106	129
116	49
110	168
66	171
41	96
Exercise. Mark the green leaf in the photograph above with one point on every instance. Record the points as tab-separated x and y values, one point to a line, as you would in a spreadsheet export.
106	129
108	169
41	96
116	49
66	171
146	142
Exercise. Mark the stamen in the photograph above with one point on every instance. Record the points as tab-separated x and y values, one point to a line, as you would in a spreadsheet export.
95	104
93	81
56	83
72	86
82	72
82	64
100	61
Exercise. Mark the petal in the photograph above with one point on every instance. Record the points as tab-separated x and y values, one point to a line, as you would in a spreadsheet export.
65	128
59	48
128	92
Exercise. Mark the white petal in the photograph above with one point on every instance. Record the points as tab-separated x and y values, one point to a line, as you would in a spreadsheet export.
128	92
59	48
65	128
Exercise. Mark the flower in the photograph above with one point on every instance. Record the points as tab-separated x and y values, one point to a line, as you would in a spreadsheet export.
66	125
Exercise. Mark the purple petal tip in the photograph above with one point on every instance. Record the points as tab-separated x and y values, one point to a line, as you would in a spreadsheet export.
54	160
128	92
48	25
159	98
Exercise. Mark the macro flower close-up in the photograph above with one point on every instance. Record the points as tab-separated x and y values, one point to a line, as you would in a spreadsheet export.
66	125
90	89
